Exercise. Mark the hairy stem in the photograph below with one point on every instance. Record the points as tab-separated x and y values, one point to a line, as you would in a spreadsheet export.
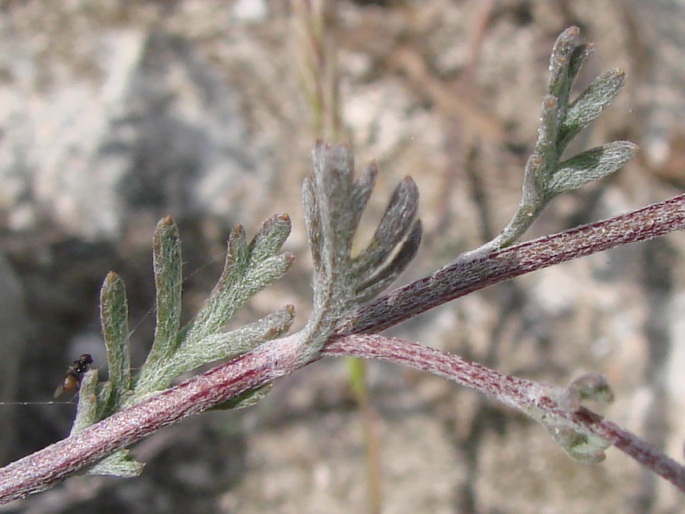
278	358
515	392
44	468
476	270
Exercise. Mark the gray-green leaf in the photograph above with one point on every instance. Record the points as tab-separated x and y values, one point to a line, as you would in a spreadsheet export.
589	105
590	165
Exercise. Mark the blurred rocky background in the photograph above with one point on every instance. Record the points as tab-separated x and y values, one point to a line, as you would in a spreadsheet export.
116	113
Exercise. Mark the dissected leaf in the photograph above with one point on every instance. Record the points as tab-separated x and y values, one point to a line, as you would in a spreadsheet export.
114	320
224	345
386	275
589	105
588	386
270	237
582	446
120	464
394	226
562	74
333	206
590	165
560	121
363	187
87	411
167	267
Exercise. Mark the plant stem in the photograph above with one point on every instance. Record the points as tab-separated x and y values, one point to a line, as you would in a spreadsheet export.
44	468
515	392
280	357
480	268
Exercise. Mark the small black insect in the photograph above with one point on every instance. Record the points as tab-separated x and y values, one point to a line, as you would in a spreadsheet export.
74	374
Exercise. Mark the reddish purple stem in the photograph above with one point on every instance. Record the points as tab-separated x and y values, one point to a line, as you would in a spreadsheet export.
465	276
516	392
56	462
279	358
